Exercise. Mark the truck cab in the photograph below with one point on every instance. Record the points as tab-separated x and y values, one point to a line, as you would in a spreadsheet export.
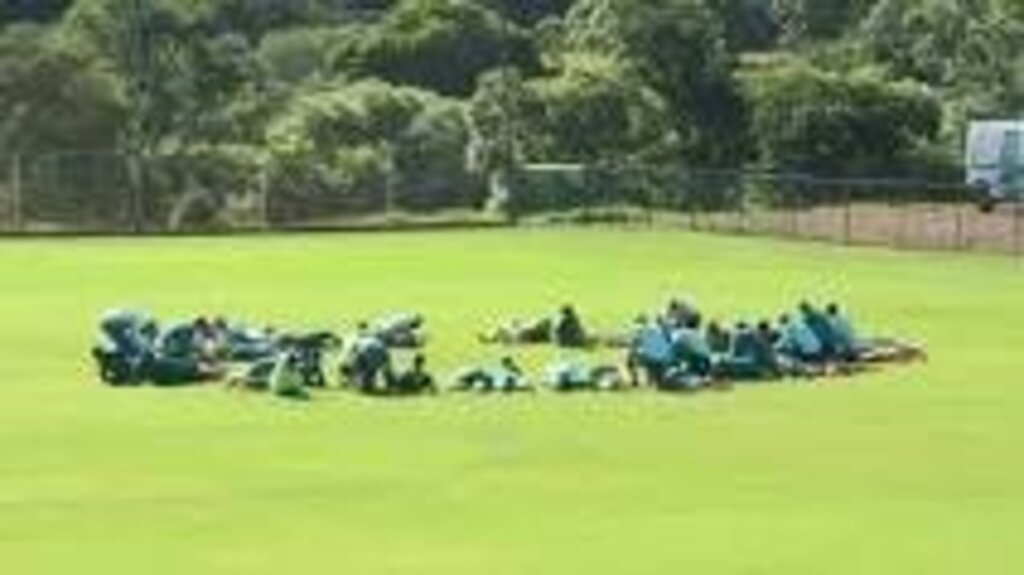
995	161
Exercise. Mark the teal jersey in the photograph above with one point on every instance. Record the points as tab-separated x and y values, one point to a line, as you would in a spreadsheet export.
691	343
798	336
653	343
843	330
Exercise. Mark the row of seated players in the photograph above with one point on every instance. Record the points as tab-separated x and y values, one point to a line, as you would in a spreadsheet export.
676	350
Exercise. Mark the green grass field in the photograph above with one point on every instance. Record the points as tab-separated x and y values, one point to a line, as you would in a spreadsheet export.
911	470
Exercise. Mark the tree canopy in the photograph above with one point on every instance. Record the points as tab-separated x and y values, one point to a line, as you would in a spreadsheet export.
357	88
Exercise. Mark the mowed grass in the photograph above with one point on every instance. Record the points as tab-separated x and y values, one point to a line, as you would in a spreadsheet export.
910	470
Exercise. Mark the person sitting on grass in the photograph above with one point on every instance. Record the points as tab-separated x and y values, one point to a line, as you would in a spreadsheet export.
751	357
415	380
569	376
691	348
799	347
680	312
818	322
506	377
568	331
719	339
651	352
286	379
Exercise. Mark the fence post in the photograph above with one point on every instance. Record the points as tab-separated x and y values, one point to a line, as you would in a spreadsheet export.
389	182
847	214
15	200
1018	228
263	197
959	204
15	193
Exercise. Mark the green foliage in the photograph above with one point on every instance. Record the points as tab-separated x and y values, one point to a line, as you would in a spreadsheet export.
293	55
530	12
54	96
823	123
598	110
949	43
360	138
748	24
178	79
807	20
679	48
441	45
445	92
25	11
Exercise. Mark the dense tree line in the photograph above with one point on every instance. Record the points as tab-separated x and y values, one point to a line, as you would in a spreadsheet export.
350	93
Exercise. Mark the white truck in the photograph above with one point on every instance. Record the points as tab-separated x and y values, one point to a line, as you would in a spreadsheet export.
995	160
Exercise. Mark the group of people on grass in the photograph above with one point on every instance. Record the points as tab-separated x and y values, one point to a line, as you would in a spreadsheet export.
673	350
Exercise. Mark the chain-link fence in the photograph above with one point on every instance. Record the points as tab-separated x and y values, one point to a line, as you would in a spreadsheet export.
898	213
104	192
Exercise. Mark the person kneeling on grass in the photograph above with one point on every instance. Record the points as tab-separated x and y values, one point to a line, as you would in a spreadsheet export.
367	363
568	376
506	377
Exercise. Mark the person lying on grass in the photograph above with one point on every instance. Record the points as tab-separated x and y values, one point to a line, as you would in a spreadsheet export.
399	330
564	330
519	332
132	352
569	376
281	375
505	377
851	347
